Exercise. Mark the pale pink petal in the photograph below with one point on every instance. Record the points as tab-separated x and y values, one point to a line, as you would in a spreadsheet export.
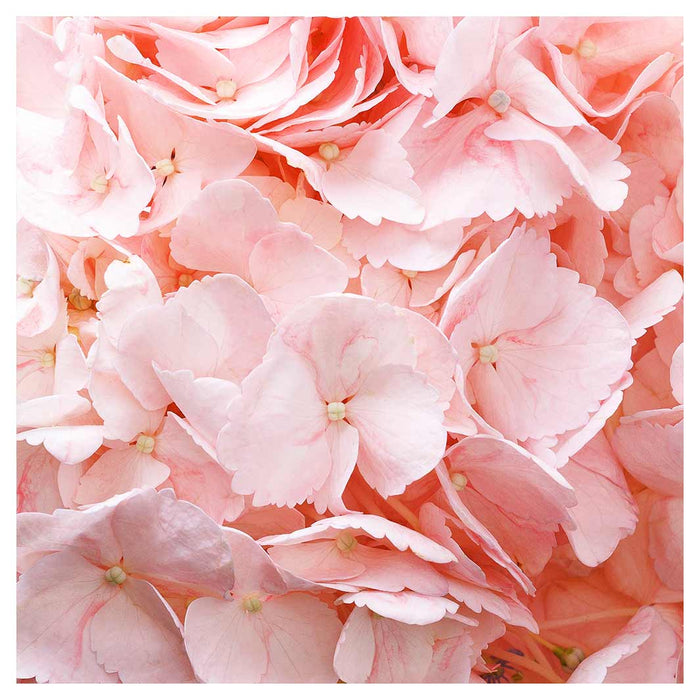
373	181
656	300
290	639
677	373
605	511
172	542
646	650
407	607
400	424
120	470
287	267
666	541
279	421
137	635
465	62
57	600
37	480
650	447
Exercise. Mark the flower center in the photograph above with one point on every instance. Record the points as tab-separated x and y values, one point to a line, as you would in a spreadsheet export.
586	49
409	274
78	300
570	657
345	542
328	151
48	359
145	444
251	603
165	167
336	410
459	480
115	575
499	101
488	354
100	184
225	89
25	287
185	280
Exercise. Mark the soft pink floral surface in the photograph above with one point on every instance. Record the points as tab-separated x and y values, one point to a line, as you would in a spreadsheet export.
350	349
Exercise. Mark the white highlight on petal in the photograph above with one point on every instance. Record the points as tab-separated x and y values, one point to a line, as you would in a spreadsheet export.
488	354
115	575
336	410
499	101
100	184
225	89
145	444
328	151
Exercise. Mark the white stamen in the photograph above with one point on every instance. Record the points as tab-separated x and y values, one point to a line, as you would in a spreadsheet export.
115	575
336	410
488	354
499	101
100	184
328	151
145	444
345	542
48	359
410	274
78	300
459	480
225	89
251	603
165	167
586	49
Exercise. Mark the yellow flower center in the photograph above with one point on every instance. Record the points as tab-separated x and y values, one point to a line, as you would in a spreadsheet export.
251	603
459	480
586	48
499	101
165	167
488	354
100	184
336	410
78	300
115	575
145	444
25	287
410	274
48	359
225	89
328	151
345	542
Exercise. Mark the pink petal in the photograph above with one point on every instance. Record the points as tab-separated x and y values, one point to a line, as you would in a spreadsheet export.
400	425
374	181
57	600
137	635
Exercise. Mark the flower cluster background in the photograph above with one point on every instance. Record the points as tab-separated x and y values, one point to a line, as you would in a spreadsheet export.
349	349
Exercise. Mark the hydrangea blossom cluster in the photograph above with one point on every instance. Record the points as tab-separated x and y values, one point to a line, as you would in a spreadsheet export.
349	349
